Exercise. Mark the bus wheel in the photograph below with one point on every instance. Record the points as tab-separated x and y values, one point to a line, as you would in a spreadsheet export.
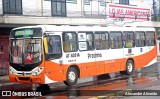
129	68
72	77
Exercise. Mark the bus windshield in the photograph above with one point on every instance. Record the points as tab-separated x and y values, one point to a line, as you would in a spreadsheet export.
25	46
25	51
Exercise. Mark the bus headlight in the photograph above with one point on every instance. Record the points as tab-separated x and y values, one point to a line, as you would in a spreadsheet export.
37	71
12	70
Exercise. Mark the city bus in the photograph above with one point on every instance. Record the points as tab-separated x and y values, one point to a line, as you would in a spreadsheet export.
45	54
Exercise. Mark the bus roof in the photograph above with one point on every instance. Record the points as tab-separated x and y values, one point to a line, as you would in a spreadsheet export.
55	28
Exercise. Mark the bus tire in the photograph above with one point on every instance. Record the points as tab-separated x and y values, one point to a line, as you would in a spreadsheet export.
72	77
129	68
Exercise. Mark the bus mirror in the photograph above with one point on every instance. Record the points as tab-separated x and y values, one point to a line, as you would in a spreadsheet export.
45	45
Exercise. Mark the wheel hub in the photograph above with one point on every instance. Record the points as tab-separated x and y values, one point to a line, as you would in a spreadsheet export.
72	76
130	67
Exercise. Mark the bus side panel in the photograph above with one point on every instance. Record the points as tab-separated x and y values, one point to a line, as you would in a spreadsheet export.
152	54
87	69
114	60
100	61
146	58
141	57
55	71
85	60
110	60
100	67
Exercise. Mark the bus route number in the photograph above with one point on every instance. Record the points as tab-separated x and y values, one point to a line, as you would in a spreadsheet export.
72	55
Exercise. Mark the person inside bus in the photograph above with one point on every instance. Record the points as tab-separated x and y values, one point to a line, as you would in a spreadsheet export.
28	50
54	46
89	41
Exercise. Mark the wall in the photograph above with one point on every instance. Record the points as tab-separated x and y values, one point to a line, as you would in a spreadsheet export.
47	8
4	57
1	8
95	8
73	8
29	7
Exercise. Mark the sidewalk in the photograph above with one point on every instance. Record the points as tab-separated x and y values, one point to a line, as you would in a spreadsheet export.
4	79
158	58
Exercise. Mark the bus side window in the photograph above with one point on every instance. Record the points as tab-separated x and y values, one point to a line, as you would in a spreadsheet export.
86	41
116	40
129	40
70	42
140	39
53	46
101	40
90	40
150	38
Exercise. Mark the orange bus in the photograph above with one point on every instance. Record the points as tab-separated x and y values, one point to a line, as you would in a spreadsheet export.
46	54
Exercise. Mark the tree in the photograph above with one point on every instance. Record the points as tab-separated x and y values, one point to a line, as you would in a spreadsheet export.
154	11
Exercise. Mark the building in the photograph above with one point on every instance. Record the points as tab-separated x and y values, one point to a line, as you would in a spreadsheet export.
27	12
15	13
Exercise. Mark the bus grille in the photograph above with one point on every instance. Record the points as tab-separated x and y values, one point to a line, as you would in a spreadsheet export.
24	78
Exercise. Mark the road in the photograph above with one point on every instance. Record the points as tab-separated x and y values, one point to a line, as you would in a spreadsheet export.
101	87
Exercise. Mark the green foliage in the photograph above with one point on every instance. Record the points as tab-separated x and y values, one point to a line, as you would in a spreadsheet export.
155	18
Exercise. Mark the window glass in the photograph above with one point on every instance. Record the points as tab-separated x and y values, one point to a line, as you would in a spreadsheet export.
26	51
125	2
32	51
59	7
140	39
63	9
150	38
16	51
90	41
54	46
86	40
101	40
129	40
116	40
12	6
82	41
54	8
19	6
69	42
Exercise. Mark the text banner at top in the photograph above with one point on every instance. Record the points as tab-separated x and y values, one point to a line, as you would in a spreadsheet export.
128	12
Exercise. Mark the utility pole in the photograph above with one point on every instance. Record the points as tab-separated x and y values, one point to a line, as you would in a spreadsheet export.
154	11
159	8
